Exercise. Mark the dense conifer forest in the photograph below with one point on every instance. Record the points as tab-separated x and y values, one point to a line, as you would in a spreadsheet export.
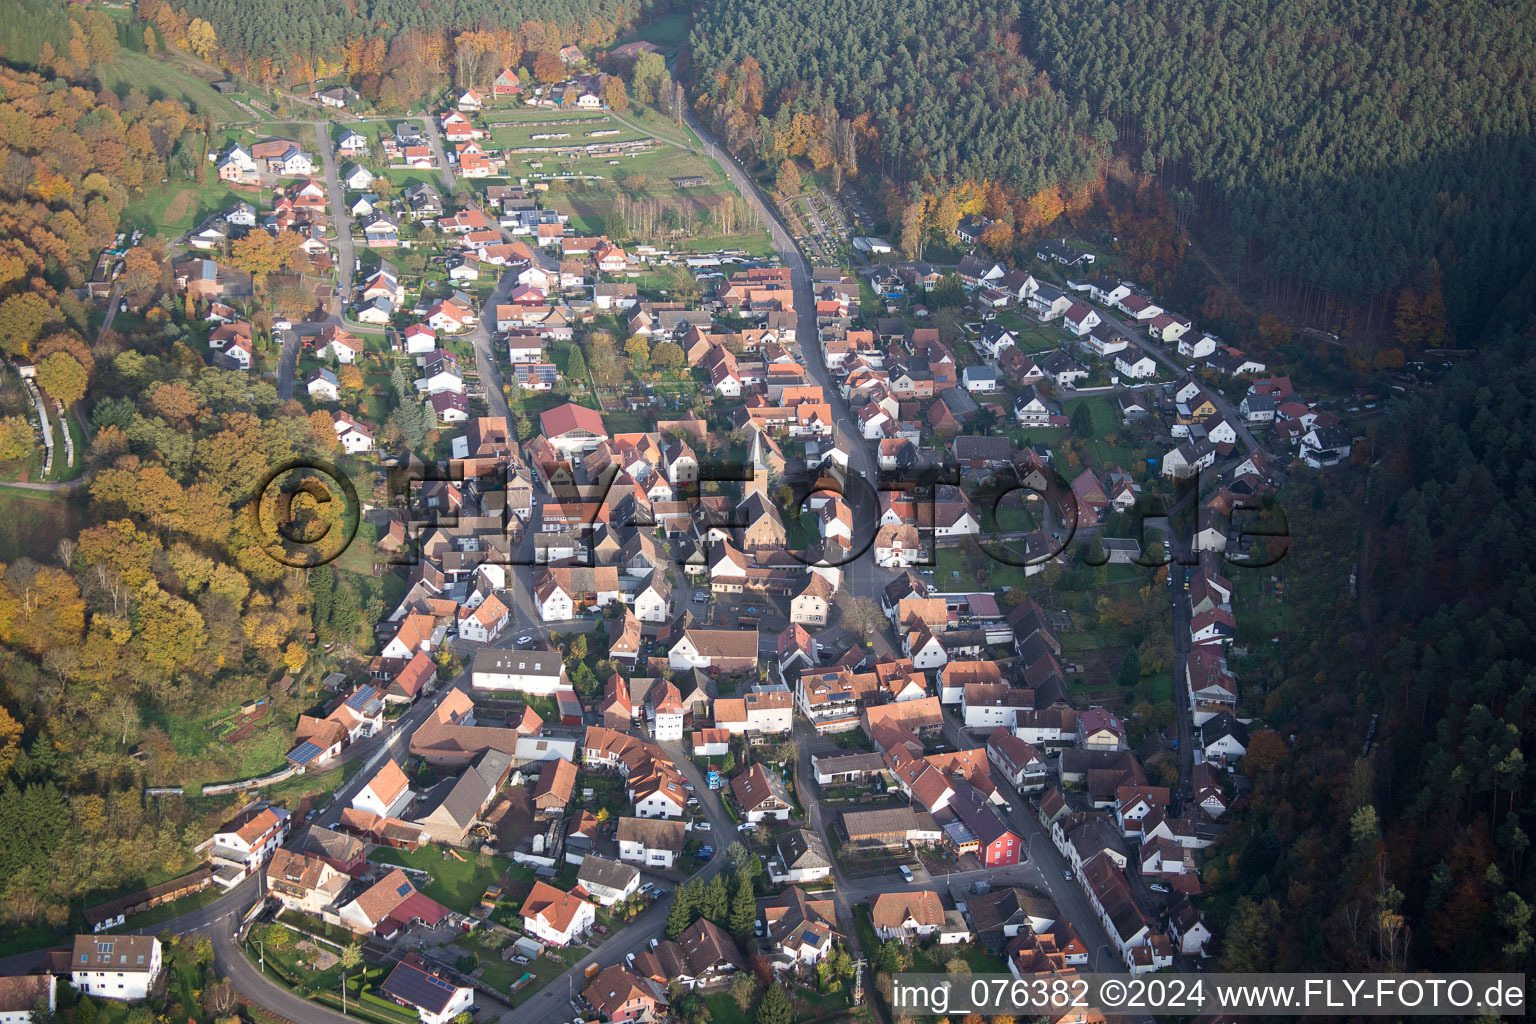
1341	150
1417	853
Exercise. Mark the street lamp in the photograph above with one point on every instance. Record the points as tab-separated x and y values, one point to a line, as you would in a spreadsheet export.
263	951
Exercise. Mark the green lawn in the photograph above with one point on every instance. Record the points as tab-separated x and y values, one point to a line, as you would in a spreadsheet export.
723	1010
182	205
410	176
203	758
168	79
953	572
521	135
35	521
455	884
1106	422
63	469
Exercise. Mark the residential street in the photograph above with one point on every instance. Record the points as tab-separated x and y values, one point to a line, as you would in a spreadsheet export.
861	577
1042	868
336	198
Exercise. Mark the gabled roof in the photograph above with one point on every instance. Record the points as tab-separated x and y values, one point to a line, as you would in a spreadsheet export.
894	909
755	788
389	782
414	983
555	908
564	419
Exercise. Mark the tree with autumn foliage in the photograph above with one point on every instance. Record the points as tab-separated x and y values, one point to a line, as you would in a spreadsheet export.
548	68
62	377
614	96
787	183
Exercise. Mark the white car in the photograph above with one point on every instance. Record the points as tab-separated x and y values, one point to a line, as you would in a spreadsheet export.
704	826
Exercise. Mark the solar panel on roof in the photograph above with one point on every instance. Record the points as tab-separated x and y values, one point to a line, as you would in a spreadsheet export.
808	937
361	697
304	753
405	889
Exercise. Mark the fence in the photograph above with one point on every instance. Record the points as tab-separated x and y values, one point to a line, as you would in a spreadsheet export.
225	788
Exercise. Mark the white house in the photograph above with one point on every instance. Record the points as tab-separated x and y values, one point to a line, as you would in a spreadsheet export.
979	379
354	435
351	143
540	673
115	966
609	881
556	917
386	793
554	604
1081	318
418	986
652	604
1137	365
993	339
21	993
357	178
324	384
485	621
419	339
653	842
245	842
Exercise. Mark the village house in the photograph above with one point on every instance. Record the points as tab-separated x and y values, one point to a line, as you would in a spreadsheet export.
304	882
556	917
417	985
653	842
122	967
760	794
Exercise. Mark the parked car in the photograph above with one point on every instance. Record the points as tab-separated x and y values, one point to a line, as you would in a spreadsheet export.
647	887
1159	887
704	826
906	872
525	639
1067	875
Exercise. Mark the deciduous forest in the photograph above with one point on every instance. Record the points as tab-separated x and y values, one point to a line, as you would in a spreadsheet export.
397	50
156	612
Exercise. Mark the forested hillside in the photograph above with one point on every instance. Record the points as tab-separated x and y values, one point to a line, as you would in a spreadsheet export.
1352	153
1360	144
940	91
120	641
1416	854
297	40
